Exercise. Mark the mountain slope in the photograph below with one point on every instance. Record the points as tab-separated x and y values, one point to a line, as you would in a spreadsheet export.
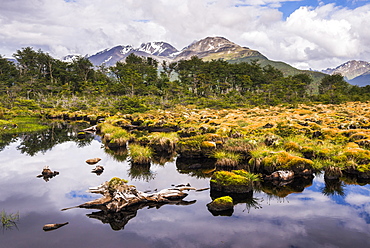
217	48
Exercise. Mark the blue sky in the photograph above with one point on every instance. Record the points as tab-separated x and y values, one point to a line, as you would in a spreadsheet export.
290	6
306	34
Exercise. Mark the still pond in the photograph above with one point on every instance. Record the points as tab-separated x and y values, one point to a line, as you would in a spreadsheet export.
321	215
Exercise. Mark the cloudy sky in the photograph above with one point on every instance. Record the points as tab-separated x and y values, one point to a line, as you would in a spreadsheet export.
304	33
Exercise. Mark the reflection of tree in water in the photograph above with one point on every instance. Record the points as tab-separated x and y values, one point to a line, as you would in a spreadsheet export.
118	220
333	187
141	172
6	139
58	133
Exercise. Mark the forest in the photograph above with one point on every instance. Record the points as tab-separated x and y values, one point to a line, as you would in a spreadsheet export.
37	80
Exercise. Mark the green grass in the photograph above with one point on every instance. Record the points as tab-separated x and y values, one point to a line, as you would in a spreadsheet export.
228	159
9	221
140	154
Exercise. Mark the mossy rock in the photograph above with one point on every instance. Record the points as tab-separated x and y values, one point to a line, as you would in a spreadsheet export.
221	204
233	182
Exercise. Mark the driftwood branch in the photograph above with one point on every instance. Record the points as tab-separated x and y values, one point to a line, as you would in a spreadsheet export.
120	196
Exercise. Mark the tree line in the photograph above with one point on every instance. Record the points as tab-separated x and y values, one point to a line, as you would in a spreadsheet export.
215	82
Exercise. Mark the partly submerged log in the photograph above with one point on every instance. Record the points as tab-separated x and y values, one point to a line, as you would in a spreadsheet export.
118	195
90	129
50	227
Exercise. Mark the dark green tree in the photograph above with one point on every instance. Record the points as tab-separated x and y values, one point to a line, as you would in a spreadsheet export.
333	89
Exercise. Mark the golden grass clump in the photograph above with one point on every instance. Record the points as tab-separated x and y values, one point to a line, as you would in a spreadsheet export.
164	141
240	145
227	159
140	154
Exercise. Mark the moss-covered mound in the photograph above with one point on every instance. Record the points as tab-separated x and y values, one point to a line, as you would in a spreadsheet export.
237	181
221	204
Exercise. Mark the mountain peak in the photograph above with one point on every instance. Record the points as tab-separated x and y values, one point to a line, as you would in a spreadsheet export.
350	69
211	44
216	48
158	48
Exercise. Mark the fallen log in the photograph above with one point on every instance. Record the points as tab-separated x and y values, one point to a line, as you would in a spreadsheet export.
51	227
118	196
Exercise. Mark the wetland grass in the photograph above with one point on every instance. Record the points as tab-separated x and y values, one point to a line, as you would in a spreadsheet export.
227	159
9	221
140	154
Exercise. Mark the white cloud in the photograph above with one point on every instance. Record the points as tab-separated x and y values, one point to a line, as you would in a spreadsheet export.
310	37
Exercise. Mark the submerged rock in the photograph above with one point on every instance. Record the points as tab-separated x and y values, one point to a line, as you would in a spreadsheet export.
281	175
92	161
47	174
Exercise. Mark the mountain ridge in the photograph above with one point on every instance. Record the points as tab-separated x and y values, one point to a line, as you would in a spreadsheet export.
209	48
356	72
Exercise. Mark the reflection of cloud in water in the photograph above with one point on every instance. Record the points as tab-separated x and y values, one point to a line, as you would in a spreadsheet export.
307	219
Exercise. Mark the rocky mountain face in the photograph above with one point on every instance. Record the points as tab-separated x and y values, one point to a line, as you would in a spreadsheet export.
161	49
158	50
355	72
350	69
207	49
217	48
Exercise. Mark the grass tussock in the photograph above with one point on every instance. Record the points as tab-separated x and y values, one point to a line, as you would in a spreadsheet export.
140	154
227	159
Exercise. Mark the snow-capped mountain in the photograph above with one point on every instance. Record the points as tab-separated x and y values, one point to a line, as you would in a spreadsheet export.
207	49
158	49
70	58
350	69
355	72
110	57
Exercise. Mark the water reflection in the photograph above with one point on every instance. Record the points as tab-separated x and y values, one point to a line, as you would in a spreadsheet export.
310	212
119	154
333	187
283	189
198	168
43	141
141	172
118	220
